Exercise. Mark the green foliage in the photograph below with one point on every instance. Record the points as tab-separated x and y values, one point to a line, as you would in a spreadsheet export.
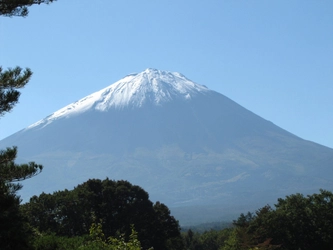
118	204
243	220
14	231
10	81
53	242
204	227
297	222
98	240
11	172
233	242
209	240
18	7
95	241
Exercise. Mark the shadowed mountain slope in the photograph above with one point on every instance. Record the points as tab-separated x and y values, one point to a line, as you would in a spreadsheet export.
184	144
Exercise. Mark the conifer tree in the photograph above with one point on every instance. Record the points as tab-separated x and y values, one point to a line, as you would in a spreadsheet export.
10	81
14	232
13	229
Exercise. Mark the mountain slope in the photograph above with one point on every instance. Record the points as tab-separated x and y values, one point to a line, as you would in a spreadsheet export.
180	141
135	90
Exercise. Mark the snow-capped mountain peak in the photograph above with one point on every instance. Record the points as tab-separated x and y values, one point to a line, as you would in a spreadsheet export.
151	85
134	90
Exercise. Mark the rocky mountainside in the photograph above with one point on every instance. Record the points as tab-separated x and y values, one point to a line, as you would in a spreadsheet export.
183	143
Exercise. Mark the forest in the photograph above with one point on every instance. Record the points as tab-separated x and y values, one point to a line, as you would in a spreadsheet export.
108	214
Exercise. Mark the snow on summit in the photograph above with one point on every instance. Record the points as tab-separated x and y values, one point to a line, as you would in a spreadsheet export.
150	86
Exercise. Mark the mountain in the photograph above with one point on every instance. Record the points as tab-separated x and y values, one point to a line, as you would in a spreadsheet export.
186	145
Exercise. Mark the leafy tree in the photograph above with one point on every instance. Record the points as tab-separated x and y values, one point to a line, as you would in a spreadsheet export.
118	204
190	239
233	242
54	242
166	227
208	240
304	222
94	241
98	240
297	222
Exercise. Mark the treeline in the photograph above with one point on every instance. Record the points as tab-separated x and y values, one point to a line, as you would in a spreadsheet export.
117	206
107	214
296	222
208	226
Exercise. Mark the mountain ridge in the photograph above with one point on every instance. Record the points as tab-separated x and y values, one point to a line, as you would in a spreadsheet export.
202	150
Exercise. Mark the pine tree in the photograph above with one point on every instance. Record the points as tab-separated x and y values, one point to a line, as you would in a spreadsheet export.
10	81
14	231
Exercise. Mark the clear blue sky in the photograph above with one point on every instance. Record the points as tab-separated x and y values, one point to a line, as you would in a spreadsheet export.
275	58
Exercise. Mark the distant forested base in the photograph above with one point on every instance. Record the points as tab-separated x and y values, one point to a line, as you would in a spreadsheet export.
107	214
118	215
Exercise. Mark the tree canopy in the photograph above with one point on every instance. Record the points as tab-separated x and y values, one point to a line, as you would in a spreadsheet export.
118	204
297	222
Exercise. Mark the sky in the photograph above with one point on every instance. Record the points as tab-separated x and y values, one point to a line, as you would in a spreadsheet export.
274	58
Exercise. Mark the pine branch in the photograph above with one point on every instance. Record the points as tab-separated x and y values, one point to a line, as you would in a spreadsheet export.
8	155
19	7
10	81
